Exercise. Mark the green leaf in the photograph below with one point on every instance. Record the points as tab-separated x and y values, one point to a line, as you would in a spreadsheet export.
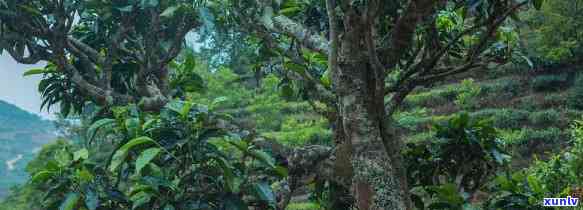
140	199
227	173
37	71
145	158
263	157
169	12
287	91
291	11
65	108
218	101
281	171
133	127
30	10
175	105
149	124
84	175
290	8
185	110
70	202
121	154
514	16
91	199
52	166
448	193
92	130
154	169
41	176
295	67
81	154
325	79
241	145
192	82
534	184
264	192
528	61
189	62
63	158
538	4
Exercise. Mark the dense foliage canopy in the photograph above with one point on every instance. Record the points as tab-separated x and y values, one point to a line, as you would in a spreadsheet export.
243	104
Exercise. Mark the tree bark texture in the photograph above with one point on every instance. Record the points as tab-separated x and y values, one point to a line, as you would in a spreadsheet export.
363	140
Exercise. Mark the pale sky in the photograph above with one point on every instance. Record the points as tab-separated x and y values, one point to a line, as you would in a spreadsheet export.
18	90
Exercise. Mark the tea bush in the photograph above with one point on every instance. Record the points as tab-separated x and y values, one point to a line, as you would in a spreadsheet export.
181	158
553	100
559	176
425	99
467	97
508	86
303	206
552	82
575	97
545	118
529	103
463	147
504	118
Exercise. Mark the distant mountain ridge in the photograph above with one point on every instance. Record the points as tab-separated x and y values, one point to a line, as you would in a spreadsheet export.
21	134
11	116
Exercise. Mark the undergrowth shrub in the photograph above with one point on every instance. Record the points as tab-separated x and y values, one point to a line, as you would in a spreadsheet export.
504	118
575	97
182	158
554	100
296	132
549	82
303	206
526	135
425	99
467	97
573	113
507	86
545	118
527	141
528	103
434	167
560	176
421	137
511	136
547	135
411	120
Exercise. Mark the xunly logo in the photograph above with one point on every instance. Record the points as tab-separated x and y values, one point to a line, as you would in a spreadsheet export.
568	201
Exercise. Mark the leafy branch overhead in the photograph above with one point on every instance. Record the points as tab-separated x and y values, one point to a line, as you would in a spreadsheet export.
411	45
108	52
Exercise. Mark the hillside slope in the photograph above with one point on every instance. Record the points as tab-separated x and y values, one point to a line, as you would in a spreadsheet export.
529	108
21	134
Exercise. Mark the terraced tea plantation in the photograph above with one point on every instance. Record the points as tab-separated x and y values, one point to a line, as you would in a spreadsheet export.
531	110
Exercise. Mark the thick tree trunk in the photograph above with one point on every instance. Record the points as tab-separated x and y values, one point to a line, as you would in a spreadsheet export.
374	177
362	161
